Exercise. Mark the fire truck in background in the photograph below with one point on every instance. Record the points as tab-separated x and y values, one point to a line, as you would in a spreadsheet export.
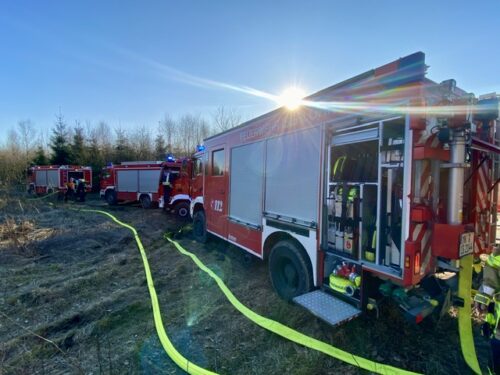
43	179
370	189
142	181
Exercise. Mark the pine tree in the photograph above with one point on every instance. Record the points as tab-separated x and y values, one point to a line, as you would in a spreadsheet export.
160	147
59	143
123	150
78	146
40	157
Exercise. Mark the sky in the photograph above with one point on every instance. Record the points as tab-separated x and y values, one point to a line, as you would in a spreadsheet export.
131	62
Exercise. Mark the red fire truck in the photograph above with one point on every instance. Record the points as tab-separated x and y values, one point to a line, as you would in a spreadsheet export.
142	181
368	189
45	179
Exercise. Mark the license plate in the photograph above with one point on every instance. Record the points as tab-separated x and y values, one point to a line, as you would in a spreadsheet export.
466	244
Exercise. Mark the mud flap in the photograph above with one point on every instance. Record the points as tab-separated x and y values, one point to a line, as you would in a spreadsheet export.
464	314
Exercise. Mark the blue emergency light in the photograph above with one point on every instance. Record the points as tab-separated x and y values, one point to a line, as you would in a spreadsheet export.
170	157
200	148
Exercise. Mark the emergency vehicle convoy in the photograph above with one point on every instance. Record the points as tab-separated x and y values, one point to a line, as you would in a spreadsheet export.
143	181
45	179
368	190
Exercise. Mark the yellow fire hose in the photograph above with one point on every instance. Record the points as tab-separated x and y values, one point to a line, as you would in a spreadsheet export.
287	332
169	348
269	324
44	196
464	313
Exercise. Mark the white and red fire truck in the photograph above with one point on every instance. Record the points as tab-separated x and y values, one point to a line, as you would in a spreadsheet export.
43	179
368	189
142	181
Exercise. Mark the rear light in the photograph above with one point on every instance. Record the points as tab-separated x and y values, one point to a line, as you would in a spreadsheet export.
407	262
419	318
416	266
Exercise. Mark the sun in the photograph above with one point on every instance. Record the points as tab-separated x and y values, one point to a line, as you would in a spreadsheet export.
291	98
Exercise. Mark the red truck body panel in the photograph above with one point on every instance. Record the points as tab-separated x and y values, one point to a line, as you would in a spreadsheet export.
44	178
129	180
393	109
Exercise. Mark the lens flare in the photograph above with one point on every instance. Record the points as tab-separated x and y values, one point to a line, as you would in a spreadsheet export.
373	98
291	98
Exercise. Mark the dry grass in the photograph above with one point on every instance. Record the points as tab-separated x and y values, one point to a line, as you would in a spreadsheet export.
21	234
89	296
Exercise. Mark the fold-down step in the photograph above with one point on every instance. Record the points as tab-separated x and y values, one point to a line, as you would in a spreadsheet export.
325	306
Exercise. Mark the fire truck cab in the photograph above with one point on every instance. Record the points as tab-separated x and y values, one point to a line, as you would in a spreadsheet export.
368	190
142	181
45	179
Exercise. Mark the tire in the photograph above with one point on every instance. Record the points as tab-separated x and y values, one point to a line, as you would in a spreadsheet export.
110	197
182	209
145	201
289	270
200	226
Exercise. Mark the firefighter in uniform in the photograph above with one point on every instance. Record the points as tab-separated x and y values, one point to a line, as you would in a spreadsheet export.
167	181
70	190
489	297
80	190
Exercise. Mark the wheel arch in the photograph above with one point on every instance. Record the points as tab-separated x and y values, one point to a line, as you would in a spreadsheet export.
307	247
276	237
285	243
150	195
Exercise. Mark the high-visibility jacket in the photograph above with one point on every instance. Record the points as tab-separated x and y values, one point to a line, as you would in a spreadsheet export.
491	288
166	180
491	274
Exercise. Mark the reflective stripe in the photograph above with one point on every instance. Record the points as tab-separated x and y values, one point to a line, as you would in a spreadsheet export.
339	163
496	298
488	290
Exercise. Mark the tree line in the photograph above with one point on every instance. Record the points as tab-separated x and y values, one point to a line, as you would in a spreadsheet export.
98	144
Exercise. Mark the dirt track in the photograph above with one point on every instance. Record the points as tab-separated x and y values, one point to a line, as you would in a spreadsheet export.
77	279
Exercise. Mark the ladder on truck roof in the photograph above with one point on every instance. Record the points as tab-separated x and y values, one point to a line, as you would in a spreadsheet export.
327	307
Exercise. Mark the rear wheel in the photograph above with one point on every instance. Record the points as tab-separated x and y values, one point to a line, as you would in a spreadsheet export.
200	226
110	197
145	201
182	209
289	270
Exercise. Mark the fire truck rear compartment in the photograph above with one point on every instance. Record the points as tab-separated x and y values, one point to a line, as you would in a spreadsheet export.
363	236
364	196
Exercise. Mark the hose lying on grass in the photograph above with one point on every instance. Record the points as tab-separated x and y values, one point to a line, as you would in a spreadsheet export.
266	323
287	332
169	348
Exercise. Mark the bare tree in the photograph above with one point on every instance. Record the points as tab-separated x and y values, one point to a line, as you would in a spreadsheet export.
192	130
169	130
225	119
12	160
27	135
123	149
104	137
143	144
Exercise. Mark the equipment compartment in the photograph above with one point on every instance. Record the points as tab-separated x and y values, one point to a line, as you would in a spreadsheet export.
364	194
